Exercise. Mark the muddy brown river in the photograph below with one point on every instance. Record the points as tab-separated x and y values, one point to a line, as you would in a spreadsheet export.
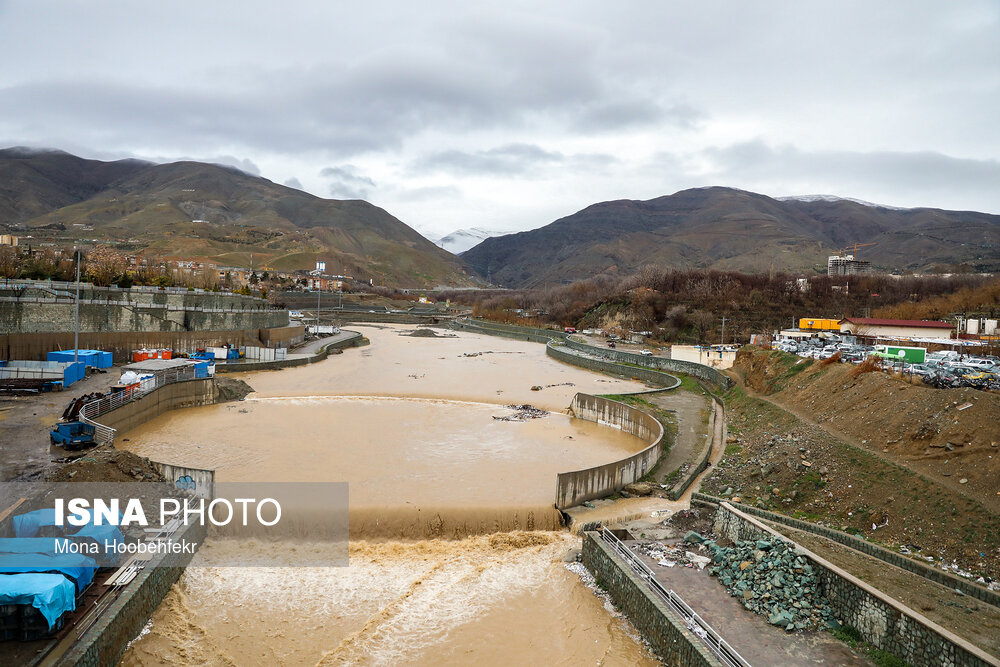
409	423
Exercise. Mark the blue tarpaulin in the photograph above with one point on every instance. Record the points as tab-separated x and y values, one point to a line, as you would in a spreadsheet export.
29	545
104	536
27	525
51	594
79	568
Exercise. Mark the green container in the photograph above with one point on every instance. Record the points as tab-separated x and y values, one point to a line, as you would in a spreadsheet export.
910	355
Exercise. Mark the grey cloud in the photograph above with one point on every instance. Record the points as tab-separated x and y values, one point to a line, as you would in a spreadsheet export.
347	183
243	165
509	160
619	115
294	183
428	193
920	178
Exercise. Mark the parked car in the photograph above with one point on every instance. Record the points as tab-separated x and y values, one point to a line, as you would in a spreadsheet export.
645	353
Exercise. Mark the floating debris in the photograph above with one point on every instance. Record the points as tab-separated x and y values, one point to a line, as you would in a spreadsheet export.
522	413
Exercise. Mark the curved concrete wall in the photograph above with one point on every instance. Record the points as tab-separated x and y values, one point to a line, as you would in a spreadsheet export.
706	373
559	352
573	488
168	397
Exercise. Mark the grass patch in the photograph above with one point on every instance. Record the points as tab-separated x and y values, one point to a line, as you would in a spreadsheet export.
852	637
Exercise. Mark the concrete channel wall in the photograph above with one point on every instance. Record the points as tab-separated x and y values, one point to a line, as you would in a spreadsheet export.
105	642
573	488
700	371
666	634
186	394
198	480
631	359
244	366
901	561
562	353
682	485
883	622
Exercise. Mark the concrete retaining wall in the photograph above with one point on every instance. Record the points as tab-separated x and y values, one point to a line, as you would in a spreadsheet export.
168	397
970	588
105	642
883	621
54	317
561	353
573	488
356	340
678	489
525	333
710	375
667	635
121	343
198	480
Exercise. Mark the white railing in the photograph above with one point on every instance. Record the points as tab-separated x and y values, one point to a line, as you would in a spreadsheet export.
698	626
91	411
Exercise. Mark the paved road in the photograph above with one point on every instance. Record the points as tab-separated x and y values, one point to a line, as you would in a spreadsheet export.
312	346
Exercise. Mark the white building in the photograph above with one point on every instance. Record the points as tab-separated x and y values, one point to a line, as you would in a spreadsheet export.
879	328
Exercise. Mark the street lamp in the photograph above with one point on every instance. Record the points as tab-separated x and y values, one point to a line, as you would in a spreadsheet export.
76	330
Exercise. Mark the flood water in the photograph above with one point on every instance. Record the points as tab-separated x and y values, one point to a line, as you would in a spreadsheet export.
408	422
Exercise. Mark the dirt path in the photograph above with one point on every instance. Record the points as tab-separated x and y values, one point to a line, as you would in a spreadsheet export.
691	411
25	421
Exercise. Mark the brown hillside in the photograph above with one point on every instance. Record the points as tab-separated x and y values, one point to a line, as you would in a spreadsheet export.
917	425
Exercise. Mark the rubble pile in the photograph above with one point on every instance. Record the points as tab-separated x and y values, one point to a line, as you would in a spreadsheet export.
667	556
770	579
522	413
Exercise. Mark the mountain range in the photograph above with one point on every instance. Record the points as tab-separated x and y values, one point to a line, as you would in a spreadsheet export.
199	211
208	212
729	229
461	240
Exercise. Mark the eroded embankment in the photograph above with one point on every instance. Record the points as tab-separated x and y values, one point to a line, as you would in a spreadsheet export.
845	474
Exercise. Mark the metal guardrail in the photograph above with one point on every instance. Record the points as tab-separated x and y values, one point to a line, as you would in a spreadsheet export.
91	411
697	625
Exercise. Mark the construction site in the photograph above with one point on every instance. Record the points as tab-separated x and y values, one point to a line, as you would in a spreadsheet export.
727	517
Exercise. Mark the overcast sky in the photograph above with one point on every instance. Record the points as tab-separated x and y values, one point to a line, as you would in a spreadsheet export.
509	115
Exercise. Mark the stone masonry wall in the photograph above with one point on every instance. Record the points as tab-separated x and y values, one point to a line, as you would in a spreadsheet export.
667	635
899	560
105	642
883	622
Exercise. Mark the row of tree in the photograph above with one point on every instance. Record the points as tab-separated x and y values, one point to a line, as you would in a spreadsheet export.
688	305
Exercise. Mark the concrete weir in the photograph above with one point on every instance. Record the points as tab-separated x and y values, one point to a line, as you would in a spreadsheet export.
573	488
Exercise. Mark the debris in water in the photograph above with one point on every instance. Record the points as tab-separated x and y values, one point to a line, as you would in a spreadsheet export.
522	413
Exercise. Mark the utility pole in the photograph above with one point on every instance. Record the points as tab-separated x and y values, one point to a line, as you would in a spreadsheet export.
76	330
319	294
723	331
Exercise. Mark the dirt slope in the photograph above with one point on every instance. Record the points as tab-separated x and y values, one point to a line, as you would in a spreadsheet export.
930	430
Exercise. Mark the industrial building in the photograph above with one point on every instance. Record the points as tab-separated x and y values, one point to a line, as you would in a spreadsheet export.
879	328
846	265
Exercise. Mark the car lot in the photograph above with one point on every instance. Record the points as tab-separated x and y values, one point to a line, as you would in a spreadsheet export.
939	369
